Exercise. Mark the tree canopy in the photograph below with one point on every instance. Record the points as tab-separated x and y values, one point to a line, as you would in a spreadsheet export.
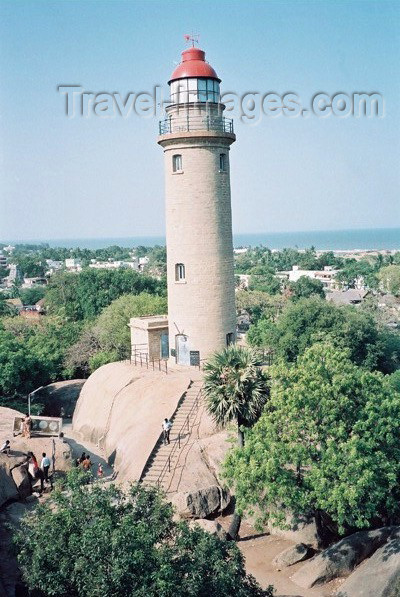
303	322
112	324
84	295
390	279
328	441
108	543
306	287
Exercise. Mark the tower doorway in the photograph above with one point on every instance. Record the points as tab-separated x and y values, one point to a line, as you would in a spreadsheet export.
182	349
164	345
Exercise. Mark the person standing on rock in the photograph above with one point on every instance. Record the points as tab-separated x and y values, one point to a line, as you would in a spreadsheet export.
45	465
27	426
34	470
87	464
166	430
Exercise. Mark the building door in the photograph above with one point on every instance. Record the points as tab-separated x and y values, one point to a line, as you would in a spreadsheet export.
182	350
164	346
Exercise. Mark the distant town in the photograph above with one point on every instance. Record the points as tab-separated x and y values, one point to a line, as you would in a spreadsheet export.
344	277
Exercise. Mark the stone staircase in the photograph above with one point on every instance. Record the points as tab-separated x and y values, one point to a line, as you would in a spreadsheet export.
163	459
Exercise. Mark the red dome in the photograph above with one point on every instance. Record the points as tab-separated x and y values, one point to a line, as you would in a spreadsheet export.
193	65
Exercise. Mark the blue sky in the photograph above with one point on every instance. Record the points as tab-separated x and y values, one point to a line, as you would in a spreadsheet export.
66	178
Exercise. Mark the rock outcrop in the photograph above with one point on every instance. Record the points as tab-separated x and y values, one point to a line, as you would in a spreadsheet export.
210	526
21	479
377	576
340	559
200	503
299	529
8	488
121	408
291	555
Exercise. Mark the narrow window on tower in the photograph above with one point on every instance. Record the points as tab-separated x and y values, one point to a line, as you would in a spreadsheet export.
177	163
179	272
222	162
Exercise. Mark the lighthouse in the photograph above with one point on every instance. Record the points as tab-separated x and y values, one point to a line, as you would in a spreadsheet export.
196	139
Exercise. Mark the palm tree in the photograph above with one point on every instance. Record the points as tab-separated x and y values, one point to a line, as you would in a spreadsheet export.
236	390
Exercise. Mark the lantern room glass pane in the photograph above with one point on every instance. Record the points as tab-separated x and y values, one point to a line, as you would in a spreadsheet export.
202	84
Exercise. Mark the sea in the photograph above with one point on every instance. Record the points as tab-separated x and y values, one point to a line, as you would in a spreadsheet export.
358	239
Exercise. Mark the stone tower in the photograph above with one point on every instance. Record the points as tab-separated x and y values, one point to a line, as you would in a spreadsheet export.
196	138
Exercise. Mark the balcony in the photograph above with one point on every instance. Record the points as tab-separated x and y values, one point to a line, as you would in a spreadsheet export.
194	122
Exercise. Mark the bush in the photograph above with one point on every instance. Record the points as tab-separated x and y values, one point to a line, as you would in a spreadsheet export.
329	440
100	542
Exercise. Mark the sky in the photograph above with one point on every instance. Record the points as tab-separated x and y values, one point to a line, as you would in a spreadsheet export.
82	177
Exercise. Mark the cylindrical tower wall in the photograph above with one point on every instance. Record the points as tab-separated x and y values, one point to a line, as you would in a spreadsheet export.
201	306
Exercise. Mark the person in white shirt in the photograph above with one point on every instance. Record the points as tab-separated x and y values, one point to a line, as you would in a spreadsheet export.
166	430
45	465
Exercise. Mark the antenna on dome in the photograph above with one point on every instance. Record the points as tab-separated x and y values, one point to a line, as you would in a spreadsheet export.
191	40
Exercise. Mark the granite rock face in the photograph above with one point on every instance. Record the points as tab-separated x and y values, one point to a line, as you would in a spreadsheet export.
377	576
8	488
210	526
199	503
340	559
291	555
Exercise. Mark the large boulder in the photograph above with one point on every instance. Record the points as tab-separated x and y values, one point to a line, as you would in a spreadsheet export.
291	555
59	398
200	503
8	488
22	481
210	526
341	558
298	529
379	576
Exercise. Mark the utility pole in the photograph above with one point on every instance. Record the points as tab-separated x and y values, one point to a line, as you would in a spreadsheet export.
29	398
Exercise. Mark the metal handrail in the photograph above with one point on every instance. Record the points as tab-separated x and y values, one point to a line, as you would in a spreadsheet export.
142	358
177	446
185	123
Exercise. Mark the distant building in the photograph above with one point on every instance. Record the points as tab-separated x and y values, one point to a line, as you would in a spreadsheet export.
244	280
30	282
53	266
3	260
73	265
327	276
114	265
9	249
353	296
240	251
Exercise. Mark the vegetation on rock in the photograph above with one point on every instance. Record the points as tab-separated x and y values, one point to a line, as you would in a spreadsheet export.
109	543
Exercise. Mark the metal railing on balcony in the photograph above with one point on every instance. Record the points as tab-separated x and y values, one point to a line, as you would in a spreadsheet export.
140	357
191	123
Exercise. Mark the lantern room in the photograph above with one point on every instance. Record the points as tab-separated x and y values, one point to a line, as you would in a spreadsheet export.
194	80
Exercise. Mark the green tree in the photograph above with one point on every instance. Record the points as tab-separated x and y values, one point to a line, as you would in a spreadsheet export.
328	442
30	296
109	543
264	282
102	357
259	304
353	270
236	390
308	320
306	287
112	324
32	354
390	279
85	295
